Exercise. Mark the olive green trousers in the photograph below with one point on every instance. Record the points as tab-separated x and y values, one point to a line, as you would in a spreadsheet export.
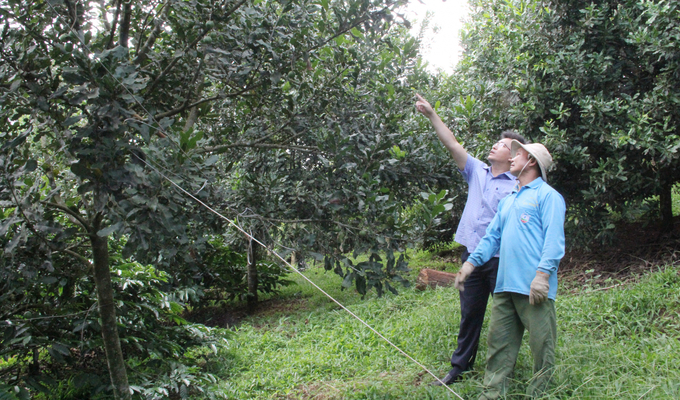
511	314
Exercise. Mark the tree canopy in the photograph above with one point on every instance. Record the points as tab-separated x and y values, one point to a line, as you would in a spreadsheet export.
285	116
295	120
597	83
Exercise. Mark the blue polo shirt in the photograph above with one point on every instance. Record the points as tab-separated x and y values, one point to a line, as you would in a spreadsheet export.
484	193
529	231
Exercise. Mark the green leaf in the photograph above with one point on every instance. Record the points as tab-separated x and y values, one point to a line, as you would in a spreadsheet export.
61	349
109	229
19	140
438	209
361	285
15	85
211	160
30	165
347	282
49	280
71	120
80	169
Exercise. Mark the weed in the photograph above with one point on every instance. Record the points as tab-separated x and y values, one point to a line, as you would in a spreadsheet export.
617	343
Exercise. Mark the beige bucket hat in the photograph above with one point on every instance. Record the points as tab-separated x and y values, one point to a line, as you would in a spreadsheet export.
538	152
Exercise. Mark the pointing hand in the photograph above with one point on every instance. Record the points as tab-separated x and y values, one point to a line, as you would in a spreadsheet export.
424	107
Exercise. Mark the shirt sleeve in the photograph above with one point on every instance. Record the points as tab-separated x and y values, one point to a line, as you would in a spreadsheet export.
552	212
470	165
491	242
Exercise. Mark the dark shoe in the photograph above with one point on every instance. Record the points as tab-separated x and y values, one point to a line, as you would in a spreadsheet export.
454	375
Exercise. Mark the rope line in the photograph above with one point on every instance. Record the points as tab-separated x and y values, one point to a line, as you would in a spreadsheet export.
270	251
274	253
18	321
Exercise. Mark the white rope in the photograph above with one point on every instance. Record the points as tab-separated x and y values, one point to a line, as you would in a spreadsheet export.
272	252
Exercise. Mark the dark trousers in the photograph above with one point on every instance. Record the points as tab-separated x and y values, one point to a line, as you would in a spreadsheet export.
478	286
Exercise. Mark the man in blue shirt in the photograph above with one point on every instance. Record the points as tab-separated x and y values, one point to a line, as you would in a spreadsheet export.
529	232
487	185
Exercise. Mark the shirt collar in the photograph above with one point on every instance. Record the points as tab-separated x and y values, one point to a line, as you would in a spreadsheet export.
531	185
535	183
506	173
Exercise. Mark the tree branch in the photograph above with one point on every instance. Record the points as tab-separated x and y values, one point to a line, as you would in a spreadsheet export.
23	308
82	222
175	60
349	28
114	25
44	239
141	55
222	148
75	246
198	103
193	111
83	259
150	19
73	13
295	221
189	46
281	145
125	24
233	9
103	20
185	107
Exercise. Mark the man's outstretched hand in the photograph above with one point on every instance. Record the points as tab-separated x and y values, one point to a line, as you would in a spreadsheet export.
424	107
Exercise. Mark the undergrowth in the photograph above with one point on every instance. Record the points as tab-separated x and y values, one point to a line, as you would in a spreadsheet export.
618	340
622	342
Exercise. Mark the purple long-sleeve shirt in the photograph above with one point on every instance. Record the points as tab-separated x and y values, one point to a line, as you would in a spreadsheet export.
485	191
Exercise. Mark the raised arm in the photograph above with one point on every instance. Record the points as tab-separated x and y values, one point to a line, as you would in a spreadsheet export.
445	135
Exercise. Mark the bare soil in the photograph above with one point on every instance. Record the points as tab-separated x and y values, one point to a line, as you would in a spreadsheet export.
228	316
639	248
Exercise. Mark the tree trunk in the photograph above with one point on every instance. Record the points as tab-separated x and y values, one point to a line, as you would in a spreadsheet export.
666	206
34	367
125	24
107	312
191	120
433	278
252	275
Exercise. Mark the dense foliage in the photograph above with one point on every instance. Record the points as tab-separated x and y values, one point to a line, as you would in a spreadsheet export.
598	83
295	120
284	116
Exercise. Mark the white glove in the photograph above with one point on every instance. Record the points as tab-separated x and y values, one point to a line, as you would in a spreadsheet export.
539	288
463	274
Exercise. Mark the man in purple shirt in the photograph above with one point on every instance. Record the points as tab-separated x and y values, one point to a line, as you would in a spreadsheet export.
487	185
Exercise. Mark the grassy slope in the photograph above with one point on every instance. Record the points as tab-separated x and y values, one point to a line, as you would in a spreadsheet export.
621	343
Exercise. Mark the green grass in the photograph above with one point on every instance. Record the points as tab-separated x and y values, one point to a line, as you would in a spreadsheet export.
619	343
419	259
